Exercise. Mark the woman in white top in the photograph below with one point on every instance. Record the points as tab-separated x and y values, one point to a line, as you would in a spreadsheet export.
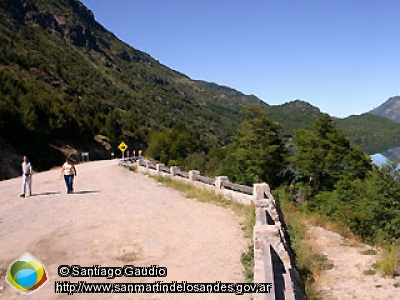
69	171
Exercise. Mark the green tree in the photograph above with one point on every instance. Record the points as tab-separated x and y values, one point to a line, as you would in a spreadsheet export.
215	157
112	127
196	161
325	156
257	152
369	207
173	145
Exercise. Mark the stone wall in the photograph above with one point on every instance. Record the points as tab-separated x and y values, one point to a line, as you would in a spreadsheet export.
272	262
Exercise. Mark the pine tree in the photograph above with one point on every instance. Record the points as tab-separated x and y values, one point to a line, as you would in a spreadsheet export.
326	156
257	151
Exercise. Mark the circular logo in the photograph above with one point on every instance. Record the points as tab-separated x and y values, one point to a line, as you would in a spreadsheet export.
26	274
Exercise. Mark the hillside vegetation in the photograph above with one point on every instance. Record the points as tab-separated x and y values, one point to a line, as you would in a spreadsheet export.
64	76
372	133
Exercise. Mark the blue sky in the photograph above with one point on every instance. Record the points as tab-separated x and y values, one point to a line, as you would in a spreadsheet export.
342	56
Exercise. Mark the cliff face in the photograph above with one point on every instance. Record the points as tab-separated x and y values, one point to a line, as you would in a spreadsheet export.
74	25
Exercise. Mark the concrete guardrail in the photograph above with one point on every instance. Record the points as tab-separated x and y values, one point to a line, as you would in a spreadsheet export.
272	261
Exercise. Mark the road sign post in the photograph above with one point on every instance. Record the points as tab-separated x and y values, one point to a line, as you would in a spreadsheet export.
122	147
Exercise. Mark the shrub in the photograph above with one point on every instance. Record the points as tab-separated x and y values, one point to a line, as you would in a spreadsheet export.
389	260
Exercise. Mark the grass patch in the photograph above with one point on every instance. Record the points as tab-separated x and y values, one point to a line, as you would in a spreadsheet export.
321	221
320	261
369	272
389	260
245	212
247	259
368	252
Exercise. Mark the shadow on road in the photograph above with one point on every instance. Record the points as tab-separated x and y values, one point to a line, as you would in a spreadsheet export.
86	192
46	194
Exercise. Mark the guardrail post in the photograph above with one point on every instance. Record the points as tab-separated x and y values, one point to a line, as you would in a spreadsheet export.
220	181
173	170
159	166
261	191
193	175
147	165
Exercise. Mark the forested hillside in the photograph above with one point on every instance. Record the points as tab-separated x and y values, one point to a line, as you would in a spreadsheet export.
65	77
371	132
374	134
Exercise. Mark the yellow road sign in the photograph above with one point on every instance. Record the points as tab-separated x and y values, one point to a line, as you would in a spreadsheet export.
122	146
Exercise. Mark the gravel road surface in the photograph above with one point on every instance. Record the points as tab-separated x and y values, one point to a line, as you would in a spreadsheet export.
117	218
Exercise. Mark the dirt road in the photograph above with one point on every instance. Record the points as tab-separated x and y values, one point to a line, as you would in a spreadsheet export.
117	218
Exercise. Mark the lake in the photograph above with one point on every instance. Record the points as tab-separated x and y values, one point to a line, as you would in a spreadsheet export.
381	158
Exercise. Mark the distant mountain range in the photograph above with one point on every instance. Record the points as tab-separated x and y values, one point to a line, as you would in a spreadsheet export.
389	109
65	79
371	132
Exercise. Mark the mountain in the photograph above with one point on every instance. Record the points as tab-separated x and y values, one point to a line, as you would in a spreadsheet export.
294	115
372	133
64	79
389	109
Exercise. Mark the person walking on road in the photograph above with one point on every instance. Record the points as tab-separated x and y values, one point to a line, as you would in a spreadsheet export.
26	176
69	171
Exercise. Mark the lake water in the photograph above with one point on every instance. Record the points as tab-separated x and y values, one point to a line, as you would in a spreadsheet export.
381	158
